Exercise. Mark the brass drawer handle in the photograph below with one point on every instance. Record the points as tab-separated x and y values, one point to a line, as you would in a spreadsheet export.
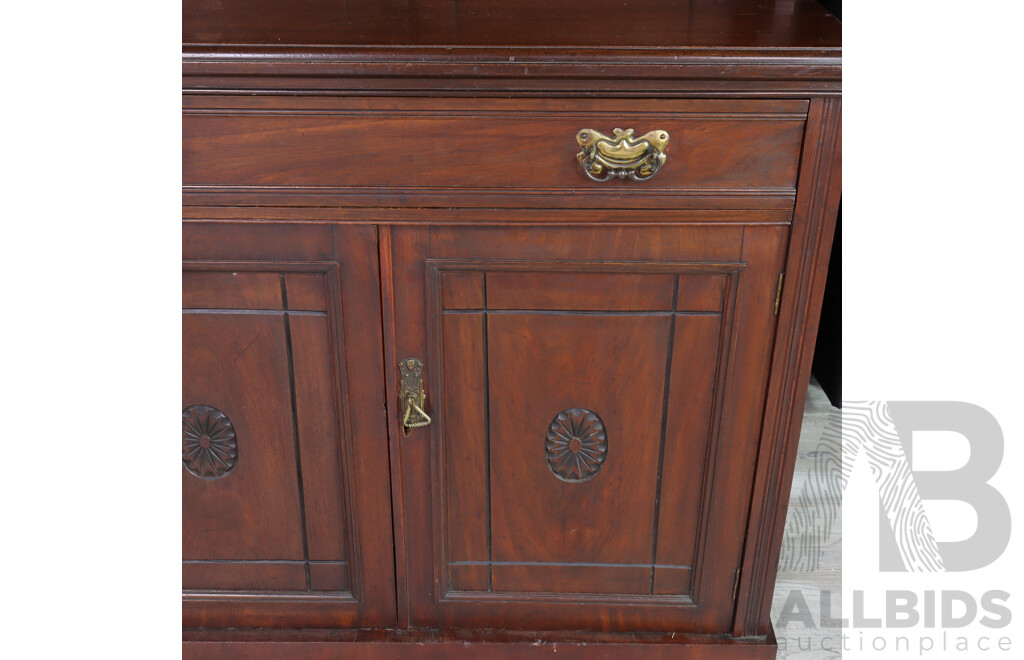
603	158
412	396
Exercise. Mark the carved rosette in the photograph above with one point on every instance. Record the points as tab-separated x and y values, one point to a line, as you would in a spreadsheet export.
576	445
209	449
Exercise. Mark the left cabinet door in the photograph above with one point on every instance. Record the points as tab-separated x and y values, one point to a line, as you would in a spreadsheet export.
286	507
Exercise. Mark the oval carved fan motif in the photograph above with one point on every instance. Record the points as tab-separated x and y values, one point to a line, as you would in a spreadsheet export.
576	444
209	449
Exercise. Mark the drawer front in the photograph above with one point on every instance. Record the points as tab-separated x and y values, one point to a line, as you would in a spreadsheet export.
484	144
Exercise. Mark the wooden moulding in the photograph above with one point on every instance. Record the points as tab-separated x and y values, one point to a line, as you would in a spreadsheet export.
638	48
813	229
459	645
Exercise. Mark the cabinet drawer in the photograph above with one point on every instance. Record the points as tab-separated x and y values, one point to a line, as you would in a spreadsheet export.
525	145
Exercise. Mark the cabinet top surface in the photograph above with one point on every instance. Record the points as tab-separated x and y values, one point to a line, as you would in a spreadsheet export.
584	28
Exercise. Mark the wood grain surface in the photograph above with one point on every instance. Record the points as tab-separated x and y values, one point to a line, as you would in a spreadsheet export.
528	364
497	644
570	24
281	333
652	48
616	371
488	147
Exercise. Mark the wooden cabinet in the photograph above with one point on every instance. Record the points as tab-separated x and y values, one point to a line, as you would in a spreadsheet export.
472	370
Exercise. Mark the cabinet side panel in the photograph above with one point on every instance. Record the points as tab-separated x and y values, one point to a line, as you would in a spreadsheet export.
807	265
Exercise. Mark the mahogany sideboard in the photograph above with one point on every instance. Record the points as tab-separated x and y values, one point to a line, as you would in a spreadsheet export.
497	322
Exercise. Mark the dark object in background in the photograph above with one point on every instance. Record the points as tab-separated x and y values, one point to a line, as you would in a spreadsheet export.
828	352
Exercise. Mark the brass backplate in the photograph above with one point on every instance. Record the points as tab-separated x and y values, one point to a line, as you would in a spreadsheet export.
623	156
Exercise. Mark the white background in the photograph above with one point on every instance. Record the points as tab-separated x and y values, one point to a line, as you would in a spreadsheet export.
91	245
932	257
91	343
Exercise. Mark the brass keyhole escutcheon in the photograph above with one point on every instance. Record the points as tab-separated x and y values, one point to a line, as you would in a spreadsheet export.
412	395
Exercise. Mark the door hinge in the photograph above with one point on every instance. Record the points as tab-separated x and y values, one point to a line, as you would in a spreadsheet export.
736	584
778	294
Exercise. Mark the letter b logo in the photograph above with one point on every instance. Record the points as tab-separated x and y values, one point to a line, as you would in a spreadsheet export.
967	484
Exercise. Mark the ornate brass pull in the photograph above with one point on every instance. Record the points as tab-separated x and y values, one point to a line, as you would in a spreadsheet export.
603	158
412	396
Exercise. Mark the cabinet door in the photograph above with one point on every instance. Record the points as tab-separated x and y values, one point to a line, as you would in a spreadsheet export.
285	495
597	396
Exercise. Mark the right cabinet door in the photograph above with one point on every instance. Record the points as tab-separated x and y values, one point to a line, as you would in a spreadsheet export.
597	397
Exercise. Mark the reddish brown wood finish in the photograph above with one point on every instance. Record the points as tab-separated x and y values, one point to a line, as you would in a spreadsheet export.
370	182
255	512
529	365
496	644
518	217
570	24
583	291
482	145
813	228
491	47
291	535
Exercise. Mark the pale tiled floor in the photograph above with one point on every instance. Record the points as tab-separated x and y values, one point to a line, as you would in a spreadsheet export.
812	555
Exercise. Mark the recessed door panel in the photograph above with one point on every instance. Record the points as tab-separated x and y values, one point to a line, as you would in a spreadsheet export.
574	435
569	408
240	495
